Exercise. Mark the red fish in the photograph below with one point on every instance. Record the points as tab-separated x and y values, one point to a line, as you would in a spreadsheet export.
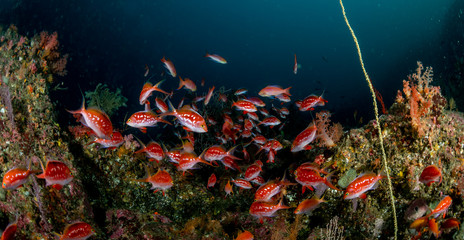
245	105
169	66
160	181
188	161
230	163
209	95
240	91
253	116
430	174
10	231
77	230
216	58
95	119
56	174
433	227
190	119
303	139
272	91
144	119
147	90
174	155
442	207
217	153
264	209
211	181
295	66
312	179
115	141
310	102
161	105
245	236
254	170
269	190
308	205
451	223
283	98
187	83
153	150
258	180
362	184
256	101
16	177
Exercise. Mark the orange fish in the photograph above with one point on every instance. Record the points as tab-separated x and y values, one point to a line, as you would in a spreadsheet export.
147	90
188	161
115	141
16	177
270	121
161	105
303	139
77	230
308	205
245	236
362	184
312	179
169	66
264	209
95	119
442	207
240	91
209	95
56	174
211	180
187	83
190	119
256	101
430	174
242	183
273	90
160	181
10	231
217	153
253	171
266	192
433	227
228	189
216	58
451	223
153	150
144	119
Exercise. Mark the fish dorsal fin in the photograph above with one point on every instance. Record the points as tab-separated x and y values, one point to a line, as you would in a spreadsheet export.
147	85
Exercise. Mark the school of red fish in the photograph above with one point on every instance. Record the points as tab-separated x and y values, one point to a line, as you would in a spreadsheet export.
238	130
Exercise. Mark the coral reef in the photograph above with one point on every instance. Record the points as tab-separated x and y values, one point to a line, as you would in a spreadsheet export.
106	100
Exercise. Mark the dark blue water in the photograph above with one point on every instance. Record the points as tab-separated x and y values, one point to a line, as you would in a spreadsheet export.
112	41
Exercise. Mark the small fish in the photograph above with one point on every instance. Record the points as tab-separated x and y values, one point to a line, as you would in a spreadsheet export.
430	174
272	90
147	70
115	141
191	120
258	180
16	177
253	170
256	101
303	139
174	155
433	227
283	98
451	223
244	105
240	91
144	119
295	67
160	181
223	97
308	205
310	102
56	174
419	223
362	184
77	230
147	90
264	209
10	231
245	236
270	121
187	83
216	58
228	189
188	161
211	181
161	105
153	150
95	119
230	163
442	207
209	95
313	180
169	66
217	153
202	82
242	183
266	192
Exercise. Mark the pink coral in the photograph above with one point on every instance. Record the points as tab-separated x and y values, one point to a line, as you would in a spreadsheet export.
327	134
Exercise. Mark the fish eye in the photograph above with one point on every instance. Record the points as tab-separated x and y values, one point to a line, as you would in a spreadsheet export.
129	120
346	194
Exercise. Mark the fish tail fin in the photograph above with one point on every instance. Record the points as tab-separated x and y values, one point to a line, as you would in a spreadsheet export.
205	162
80	109
280	205
206	53
328	182
231	151
172	110
287	91
181	83
156	87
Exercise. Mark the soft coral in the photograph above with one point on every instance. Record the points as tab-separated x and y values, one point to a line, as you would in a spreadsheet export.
327	134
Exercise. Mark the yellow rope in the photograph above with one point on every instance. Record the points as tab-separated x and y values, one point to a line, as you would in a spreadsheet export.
376	110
